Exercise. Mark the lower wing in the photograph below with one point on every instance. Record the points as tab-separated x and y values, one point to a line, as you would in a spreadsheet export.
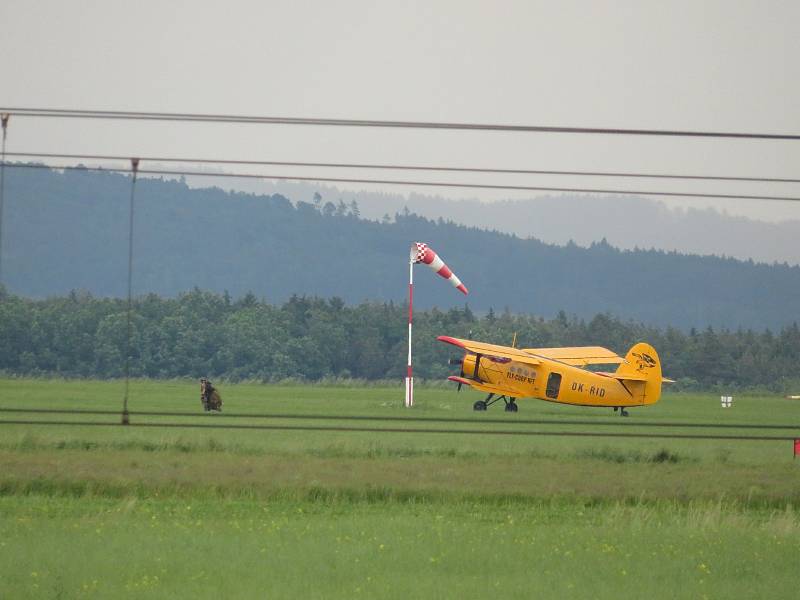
485	387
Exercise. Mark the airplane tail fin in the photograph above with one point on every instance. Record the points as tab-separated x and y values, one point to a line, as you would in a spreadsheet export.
643	366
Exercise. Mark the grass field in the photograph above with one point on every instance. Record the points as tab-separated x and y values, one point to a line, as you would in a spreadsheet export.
144	511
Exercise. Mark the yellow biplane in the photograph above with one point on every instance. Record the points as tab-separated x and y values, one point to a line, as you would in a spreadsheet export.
557	375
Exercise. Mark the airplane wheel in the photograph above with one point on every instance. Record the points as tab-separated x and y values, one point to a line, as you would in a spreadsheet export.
512	407
479	405
624	412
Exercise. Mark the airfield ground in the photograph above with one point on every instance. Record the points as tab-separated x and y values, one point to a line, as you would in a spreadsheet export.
88	510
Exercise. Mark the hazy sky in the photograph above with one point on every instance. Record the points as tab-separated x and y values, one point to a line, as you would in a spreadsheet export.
727	66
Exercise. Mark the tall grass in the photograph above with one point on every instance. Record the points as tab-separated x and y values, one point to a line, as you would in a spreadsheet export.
324	546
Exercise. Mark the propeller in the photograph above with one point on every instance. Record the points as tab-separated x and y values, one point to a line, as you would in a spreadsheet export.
460	362
469	337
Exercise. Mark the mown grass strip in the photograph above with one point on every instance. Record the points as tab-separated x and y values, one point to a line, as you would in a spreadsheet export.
327	417
512	432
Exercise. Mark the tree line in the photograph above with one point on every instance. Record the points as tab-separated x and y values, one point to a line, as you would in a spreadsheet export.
201	333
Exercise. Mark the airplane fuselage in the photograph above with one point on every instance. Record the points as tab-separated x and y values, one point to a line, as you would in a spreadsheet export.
558	382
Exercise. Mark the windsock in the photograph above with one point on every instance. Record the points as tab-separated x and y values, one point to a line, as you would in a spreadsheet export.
421	253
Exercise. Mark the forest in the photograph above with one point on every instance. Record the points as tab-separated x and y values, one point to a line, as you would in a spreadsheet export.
68	231
307	339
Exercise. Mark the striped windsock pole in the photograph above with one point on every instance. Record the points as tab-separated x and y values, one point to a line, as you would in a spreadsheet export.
409	372
421	253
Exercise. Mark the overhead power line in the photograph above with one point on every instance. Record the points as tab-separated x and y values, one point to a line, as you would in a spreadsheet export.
396	167
216	118
448	184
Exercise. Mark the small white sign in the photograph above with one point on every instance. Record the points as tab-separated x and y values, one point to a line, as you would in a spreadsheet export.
727	401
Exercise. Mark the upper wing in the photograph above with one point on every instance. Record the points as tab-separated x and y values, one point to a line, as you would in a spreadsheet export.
492	350
579	356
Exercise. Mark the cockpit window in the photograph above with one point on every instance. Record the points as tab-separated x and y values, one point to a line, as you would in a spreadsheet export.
553	385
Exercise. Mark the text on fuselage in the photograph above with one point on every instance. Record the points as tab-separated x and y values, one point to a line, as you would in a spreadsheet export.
591	390
521	374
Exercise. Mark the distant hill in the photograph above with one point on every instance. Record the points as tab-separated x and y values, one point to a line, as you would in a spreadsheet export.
65	231
626	222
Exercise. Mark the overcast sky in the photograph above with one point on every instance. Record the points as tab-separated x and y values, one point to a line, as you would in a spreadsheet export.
726	66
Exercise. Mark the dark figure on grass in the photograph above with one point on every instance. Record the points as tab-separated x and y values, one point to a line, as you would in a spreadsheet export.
209	396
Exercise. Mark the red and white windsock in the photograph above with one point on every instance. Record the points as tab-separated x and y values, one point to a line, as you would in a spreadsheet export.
421	253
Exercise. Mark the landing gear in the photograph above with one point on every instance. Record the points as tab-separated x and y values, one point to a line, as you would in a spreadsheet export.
622	411
511	403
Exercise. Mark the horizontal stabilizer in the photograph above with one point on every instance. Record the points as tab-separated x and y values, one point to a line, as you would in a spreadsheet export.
579	356
623	377
632	377
503	352
479	385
